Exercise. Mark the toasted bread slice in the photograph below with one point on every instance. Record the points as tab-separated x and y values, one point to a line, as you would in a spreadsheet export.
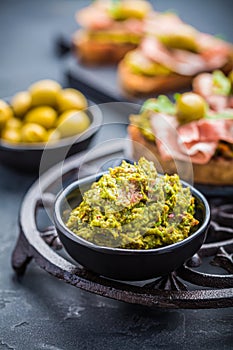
142	85
92	52
139	85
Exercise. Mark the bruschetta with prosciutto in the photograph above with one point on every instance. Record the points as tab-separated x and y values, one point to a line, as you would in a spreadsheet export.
171	54
186	131
109	30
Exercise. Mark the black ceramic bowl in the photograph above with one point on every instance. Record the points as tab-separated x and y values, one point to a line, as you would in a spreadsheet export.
27	157
126	264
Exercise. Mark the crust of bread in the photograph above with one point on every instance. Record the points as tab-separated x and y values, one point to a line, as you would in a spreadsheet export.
218	171
140	85
93	52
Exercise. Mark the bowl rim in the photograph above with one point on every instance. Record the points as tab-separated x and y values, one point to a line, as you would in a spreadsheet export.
97	122
60	225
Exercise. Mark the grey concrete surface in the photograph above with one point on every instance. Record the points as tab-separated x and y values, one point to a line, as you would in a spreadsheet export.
41	312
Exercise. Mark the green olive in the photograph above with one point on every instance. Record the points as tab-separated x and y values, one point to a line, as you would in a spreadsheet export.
32	132
185	40
11	135
5	113
71	99
44	115
129	9
139	64
21	103
13	123
190	107
72	122
53	135
44	92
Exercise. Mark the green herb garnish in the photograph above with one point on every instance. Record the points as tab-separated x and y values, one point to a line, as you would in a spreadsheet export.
221	84
161	104
220	115
221	36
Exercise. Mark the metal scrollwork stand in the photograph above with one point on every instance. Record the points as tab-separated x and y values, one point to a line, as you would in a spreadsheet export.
188	287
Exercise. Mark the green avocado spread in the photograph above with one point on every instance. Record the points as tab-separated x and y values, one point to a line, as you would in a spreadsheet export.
132	207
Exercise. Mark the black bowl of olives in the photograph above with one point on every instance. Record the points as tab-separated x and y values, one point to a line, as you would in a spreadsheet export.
131	223
46	123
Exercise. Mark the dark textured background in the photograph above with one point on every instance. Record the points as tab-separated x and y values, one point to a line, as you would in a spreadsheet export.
42	312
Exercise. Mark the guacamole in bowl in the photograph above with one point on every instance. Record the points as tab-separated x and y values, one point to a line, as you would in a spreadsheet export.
133	207
131	223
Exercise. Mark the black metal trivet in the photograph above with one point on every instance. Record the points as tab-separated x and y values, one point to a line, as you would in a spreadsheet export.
205	281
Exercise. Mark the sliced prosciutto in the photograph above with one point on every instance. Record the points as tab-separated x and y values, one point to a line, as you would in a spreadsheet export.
178	61
196	141
133	25
97	17
166	24
94	18
212	54
215	51
165	130
218	102
203	85
155	51
230	102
